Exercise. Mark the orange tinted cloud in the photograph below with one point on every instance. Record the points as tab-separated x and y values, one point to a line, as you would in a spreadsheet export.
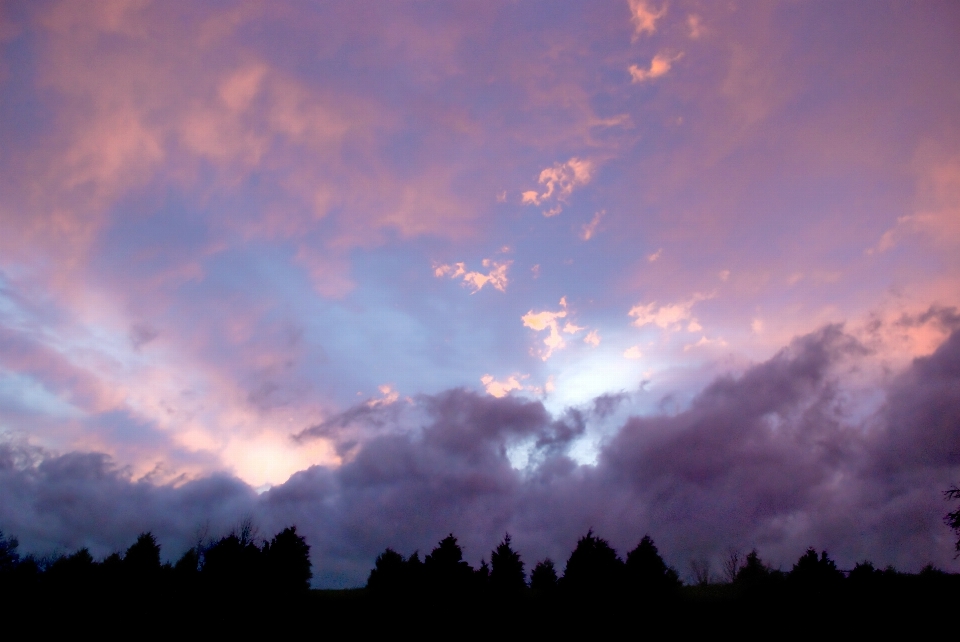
558	184
645	17
659	66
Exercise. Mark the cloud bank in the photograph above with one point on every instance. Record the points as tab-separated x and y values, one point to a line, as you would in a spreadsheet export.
779	458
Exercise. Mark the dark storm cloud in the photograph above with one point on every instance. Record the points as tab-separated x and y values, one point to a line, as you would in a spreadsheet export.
771	459
81	499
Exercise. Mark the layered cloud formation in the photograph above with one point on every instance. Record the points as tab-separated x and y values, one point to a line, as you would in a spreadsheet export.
480	266
778	458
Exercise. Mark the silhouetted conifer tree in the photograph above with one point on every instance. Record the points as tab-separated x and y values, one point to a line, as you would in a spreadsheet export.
543	578
647	573
481	577
445	569
815	573
141	563
753	572
593	567
507	575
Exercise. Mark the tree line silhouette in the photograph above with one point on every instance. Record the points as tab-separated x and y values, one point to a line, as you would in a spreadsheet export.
235	564
250	577
594	569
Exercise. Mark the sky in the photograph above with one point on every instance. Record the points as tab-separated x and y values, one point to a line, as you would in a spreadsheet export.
391	270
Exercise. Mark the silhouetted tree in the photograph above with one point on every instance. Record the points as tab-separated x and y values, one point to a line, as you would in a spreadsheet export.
732	564
389	574
543	578
815	573
593	567
189	563
141	563
8	553
863	574
445	569
701	571
753	570
646	572
481	577
74	572
953	518
507	575
233	564
9	561
287	558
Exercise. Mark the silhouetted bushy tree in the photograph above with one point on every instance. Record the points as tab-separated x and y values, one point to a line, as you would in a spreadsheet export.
287	558
647	573
233	564
141	563
593	567
507	575
188	565
445	569
73	572
756	579
390	573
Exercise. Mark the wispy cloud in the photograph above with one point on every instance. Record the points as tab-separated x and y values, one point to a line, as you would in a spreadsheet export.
589	229
558	183
502	388
671	316
496	277
645	17
549	321
659	66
